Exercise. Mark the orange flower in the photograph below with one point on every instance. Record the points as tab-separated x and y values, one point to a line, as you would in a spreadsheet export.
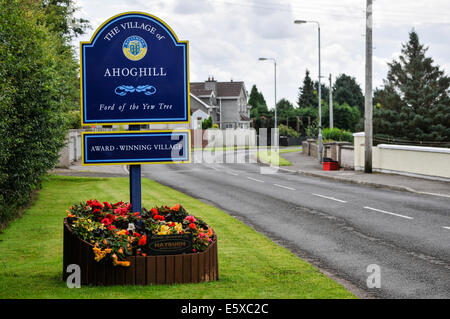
116	262
210	232
175	207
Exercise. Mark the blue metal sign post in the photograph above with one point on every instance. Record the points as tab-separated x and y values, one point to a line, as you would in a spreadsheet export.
135	181
134	71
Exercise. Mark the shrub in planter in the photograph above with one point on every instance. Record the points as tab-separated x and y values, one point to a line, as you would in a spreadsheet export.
116	232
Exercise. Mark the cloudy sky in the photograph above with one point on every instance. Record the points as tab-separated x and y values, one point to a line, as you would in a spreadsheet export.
226	37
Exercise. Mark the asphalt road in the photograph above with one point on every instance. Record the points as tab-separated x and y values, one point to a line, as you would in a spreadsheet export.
341	228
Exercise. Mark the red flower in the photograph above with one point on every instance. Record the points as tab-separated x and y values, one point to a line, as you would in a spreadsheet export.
96	211
119	203
137	234
107	205
192	226
154	211
106	221
176	207
110	217
96	204
111	227
171	224
136	214
159	217
142	240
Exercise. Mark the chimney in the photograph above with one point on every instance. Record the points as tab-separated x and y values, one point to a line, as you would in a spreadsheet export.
211	84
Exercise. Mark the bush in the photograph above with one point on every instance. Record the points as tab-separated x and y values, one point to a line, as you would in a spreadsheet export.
312	131
207	123
284	130
34	69
336	134
73	119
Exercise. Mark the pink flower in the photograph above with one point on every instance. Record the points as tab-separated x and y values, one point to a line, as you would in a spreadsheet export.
190	219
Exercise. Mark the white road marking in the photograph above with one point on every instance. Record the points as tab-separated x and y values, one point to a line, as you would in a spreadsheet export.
332	198
385	212
446	227
256	180
287	170
290	188
228	172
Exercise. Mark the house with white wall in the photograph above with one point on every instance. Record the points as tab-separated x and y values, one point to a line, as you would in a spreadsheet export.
227	102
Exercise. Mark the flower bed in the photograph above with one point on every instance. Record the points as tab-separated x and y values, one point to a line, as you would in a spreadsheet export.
113	245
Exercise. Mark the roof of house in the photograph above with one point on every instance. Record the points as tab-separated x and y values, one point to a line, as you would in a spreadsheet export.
198	89
224	89
227	89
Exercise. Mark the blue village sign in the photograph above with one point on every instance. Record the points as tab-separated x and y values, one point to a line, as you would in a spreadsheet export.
139	147
134	71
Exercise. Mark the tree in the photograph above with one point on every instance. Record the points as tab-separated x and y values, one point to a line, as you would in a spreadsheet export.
59	17
325	92
258	103
347	90
414	103
306	96
285	108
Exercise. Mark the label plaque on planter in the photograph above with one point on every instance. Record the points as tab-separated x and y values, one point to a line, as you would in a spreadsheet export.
134	70
169	244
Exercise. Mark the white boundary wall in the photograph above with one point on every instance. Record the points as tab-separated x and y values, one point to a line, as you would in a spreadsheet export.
425	162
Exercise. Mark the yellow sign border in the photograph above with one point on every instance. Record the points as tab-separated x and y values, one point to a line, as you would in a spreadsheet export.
133	123
134	132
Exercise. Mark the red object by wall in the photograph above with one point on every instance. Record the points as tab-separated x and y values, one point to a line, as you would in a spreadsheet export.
330	166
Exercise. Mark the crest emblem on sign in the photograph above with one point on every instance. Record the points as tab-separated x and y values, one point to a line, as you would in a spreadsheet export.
134	48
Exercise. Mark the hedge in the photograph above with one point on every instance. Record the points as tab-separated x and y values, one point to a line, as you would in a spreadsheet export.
34	71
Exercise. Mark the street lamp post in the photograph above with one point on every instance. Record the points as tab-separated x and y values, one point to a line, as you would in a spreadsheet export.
275	83
320	89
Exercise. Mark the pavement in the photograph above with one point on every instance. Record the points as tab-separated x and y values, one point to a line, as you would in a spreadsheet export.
308	165
341	227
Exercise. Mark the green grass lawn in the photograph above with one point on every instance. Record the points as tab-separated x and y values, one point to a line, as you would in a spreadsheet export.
275	158
250	265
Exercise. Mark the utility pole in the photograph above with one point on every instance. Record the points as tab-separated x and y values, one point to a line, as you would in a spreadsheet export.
331	102
368	129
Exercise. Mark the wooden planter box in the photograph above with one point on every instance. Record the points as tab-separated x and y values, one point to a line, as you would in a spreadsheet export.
162	269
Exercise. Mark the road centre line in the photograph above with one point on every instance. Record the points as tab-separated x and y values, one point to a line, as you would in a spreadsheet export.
234	174
385	212
290	188
332	198
256	180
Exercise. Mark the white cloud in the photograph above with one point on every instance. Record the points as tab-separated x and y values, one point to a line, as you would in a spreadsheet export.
228	36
